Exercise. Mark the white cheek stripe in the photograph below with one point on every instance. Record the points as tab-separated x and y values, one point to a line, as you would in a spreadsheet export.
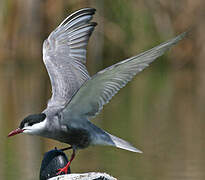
36	129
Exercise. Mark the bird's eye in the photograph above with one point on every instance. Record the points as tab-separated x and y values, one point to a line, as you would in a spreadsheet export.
30	124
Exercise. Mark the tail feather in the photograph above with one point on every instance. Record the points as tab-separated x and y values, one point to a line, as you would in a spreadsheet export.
101	137
120	143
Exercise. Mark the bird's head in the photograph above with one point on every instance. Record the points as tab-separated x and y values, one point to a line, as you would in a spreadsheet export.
32	124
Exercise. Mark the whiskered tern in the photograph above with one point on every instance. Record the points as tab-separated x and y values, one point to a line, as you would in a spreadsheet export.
77	97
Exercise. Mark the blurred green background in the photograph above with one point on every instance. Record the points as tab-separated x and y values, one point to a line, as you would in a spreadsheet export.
161	111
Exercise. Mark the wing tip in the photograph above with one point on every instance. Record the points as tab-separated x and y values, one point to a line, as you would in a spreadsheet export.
93	24
177	38
182	36
86	9
90	9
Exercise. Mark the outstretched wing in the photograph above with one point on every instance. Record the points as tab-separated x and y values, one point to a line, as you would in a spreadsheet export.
97	91
64	55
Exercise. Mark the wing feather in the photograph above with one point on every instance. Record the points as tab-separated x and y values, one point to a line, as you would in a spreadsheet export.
64	55
98	90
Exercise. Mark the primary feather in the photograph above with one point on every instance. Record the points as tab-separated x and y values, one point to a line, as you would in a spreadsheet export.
98	90
64	55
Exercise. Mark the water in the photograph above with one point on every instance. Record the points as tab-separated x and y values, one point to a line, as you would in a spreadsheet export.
161	112
172	140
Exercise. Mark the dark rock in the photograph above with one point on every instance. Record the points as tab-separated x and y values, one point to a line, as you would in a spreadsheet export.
52	161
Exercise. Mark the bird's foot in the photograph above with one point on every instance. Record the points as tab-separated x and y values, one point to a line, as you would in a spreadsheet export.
64	169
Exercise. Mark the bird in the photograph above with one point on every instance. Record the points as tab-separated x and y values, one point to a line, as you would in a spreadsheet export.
77	97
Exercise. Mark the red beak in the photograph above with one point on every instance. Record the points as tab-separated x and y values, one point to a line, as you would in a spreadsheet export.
16	131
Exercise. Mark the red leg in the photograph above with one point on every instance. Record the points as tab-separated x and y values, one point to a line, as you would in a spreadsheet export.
65	169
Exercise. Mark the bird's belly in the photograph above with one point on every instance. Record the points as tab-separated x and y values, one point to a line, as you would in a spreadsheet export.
78	138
